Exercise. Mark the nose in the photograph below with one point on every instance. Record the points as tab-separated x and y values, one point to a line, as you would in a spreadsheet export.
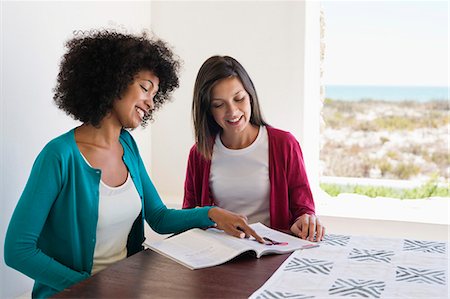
150	103
231	109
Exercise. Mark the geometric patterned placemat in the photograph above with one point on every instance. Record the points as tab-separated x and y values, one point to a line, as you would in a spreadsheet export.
362	267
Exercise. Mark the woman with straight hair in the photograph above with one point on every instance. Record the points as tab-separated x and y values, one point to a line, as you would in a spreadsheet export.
241	163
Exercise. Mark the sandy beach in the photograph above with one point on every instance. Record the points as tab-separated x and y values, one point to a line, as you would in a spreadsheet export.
390	140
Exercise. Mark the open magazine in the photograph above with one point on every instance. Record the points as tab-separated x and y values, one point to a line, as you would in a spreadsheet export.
198	248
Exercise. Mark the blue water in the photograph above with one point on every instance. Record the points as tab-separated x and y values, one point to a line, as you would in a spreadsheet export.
387	93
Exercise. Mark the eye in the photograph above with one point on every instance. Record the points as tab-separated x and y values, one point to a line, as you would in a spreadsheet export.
240	100
217	105
143	88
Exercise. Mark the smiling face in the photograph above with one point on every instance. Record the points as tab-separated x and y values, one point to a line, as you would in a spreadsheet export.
137	101
230	107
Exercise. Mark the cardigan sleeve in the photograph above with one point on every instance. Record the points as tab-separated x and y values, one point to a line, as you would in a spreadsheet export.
300	197
159	217
21	250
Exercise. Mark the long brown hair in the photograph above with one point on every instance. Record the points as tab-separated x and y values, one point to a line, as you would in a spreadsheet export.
213	70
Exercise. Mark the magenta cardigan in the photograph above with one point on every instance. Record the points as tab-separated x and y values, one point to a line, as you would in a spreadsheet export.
290	195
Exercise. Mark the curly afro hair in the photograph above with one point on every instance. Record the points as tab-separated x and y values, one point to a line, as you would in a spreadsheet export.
100	65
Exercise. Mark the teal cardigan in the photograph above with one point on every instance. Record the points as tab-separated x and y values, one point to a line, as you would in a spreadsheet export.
52	233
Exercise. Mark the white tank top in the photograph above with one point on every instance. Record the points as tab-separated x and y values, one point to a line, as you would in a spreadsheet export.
118	208
239	179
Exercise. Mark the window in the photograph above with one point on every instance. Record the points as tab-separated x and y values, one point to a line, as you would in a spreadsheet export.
386	110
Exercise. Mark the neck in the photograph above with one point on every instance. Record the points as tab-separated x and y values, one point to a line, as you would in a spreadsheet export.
241	140
105	136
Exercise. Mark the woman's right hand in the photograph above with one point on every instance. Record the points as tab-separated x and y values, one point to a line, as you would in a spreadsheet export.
233	224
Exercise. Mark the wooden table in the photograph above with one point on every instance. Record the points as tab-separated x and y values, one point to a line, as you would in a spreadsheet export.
149	274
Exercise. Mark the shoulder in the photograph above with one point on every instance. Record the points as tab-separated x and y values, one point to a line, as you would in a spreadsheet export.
58	153
194	153
280	136
196	159
283	144
61	146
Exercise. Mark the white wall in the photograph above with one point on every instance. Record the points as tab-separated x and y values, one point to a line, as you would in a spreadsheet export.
268	38
33	34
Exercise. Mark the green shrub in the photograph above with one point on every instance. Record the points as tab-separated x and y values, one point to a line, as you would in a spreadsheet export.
384	166
406	170
429	189
394	122
392	154
332	189
384	139
328	101
441	158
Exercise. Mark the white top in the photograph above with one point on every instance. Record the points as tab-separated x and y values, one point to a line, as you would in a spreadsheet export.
118	208
239	179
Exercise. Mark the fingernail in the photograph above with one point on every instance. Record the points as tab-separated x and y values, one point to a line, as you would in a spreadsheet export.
242	235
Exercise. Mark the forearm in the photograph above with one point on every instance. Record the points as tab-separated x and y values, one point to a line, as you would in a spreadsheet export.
172	221
25	257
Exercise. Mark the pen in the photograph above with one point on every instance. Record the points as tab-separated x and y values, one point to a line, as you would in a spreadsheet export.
273	242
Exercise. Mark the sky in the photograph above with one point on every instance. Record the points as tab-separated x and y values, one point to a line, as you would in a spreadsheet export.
386	43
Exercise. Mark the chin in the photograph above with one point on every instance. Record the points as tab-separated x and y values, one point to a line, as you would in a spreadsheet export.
130	126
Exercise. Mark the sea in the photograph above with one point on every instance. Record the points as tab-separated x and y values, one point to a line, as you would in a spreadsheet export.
387	93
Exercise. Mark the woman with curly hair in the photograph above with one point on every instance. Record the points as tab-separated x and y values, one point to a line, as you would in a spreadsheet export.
88	194
239	162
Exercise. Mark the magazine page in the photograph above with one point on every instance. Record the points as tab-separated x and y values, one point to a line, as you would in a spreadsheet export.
197	248
277	242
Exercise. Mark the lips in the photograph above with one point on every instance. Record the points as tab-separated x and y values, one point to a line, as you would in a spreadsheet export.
234	120
141	112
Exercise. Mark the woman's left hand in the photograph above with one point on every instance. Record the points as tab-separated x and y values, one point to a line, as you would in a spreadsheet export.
307	226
